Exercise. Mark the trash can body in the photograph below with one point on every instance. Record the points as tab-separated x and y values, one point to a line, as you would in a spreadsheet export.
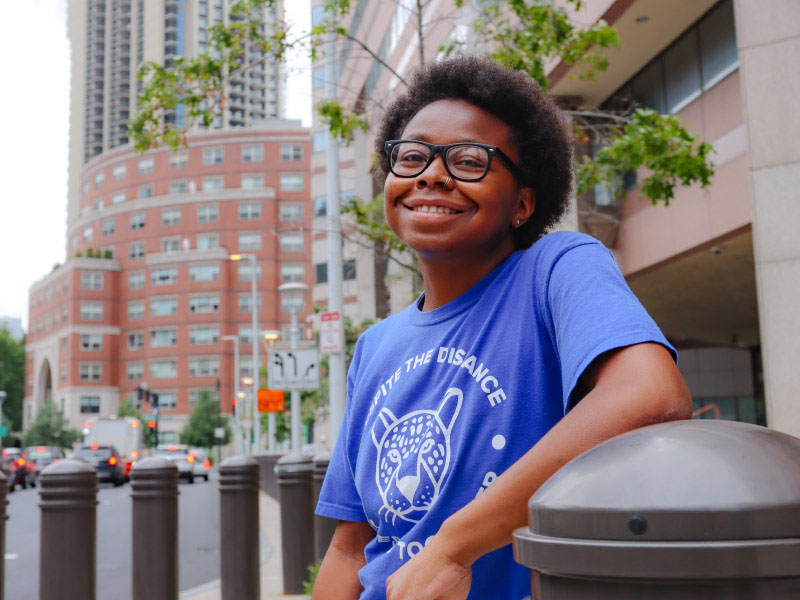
689	509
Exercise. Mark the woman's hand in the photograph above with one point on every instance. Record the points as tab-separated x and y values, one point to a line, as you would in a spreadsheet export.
430	575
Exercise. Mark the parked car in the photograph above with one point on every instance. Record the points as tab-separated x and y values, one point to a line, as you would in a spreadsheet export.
179	454
41	456
201	464
106	460
14	463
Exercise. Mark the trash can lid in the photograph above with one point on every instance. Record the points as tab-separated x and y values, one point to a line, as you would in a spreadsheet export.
685	488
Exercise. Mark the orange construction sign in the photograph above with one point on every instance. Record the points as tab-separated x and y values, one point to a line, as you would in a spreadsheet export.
270	400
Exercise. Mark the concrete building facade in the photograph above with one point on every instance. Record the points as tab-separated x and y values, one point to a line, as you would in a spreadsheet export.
717	268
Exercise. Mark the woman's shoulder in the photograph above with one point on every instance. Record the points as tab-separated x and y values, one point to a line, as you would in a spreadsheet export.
549	248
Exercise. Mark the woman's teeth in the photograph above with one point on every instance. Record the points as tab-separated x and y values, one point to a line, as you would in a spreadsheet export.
434	209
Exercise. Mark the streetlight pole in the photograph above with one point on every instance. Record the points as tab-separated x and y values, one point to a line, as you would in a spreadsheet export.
291	290
237	430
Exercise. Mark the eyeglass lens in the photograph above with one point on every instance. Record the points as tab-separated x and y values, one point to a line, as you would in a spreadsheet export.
465	161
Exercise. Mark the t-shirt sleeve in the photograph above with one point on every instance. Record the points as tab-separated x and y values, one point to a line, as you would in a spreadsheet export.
339	498
592	310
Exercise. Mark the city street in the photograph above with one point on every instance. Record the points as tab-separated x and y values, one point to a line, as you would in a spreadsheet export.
198	540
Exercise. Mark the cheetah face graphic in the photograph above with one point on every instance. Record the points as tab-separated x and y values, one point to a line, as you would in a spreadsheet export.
413	457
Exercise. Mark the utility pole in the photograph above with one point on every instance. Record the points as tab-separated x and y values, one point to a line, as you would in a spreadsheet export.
336	370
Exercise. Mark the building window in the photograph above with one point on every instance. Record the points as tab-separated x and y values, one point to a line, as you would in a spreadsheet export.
249	211
164	275
249	241
108	227
213	184
349	269
245	271
163	369
203	335
208	241
146	165
170	244
321	273
98	181
291	242
145	191
245	334
90	371
245	366
199	367
135	341
135	280
291	152
291	182
292	272
319	142
252	182
162	307
162	338
290	303
203	272
119	172
137	221
136	250
320	206
118	198
171	216
88	233
178	187
90	405
86	188
135	310
179	160
167	400
207	213
245	302
91	281
91	311
135	371
91	342
212	156
253	154
291	211
204	304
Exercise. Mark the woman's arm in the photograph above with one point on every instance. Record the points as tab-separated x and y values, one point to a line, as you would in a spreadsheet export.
631	387
338	575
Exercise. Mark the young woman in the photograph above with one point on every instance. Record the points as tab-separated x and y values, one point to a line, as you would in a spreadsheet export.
524	350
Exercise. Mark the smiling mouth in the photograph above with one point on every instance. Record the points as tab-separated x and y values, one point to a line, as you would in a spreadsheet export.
427	208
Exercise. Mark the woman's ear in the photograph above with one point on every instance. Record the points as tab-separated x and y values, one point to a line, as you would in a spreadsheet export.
526	204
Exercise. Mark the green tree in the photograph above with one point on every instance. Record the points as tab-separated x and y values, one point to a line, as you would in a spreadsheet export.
50	428
127	409
12	379
205	418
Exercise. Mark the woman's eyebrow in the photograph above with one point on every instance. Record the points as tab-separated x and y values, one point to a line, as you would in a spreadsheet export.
421	137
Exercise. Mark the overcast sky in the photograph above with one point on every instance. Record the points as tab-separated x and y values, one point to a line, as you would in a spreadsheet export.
34	105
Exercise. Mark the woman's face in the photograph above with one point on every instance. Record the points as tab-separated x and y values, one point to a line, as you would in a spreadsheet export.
481	214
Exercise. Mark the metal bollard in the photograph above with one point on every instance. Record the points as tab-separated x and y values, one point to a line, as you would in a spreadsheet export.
3	519
323	526
68	546
154	495
297	526
239	529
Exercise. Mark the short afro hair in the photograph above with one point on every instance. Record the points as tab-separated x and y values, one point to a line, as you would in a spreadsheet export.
538	129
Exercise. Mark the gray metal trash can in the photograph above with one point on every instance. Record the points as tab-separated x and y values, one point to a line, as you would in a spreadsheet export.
691	509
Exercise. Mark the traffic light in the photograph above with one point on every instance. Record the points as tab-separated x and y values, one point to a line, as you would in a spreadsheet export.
154	400
152	427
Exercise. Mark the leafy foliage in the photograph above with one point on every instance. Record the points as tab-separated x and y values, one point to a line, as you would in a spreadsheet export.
50	428
12	379
127	409
205	418
340	122
308	584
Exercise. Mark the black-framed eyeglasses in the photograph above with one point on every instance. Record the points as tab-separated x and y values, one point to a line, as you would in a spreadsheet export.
465	161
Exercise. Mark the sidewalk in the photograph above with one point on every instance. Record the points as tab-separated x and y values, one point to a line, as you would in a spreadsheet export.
271	574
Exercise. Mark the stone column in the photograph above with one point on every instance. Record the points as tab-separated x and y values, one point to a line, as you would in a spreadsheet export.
768	37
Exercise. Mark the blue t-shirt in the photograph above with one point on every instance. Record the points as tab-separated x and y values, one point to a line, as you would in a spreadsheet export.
440	403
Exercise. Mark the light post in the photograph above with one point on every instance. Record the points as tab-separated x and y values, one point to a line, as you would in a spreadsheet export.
237	430
255	329
289	292
271	335
249	443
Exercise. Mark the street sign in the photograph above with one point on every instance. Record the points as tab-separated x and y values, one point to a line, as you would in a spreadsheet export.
3	430
219	432
294	369
271	400
330	333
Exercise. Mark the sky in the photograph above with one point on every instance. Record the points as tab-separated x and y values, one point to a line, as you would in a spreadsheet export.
34	107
